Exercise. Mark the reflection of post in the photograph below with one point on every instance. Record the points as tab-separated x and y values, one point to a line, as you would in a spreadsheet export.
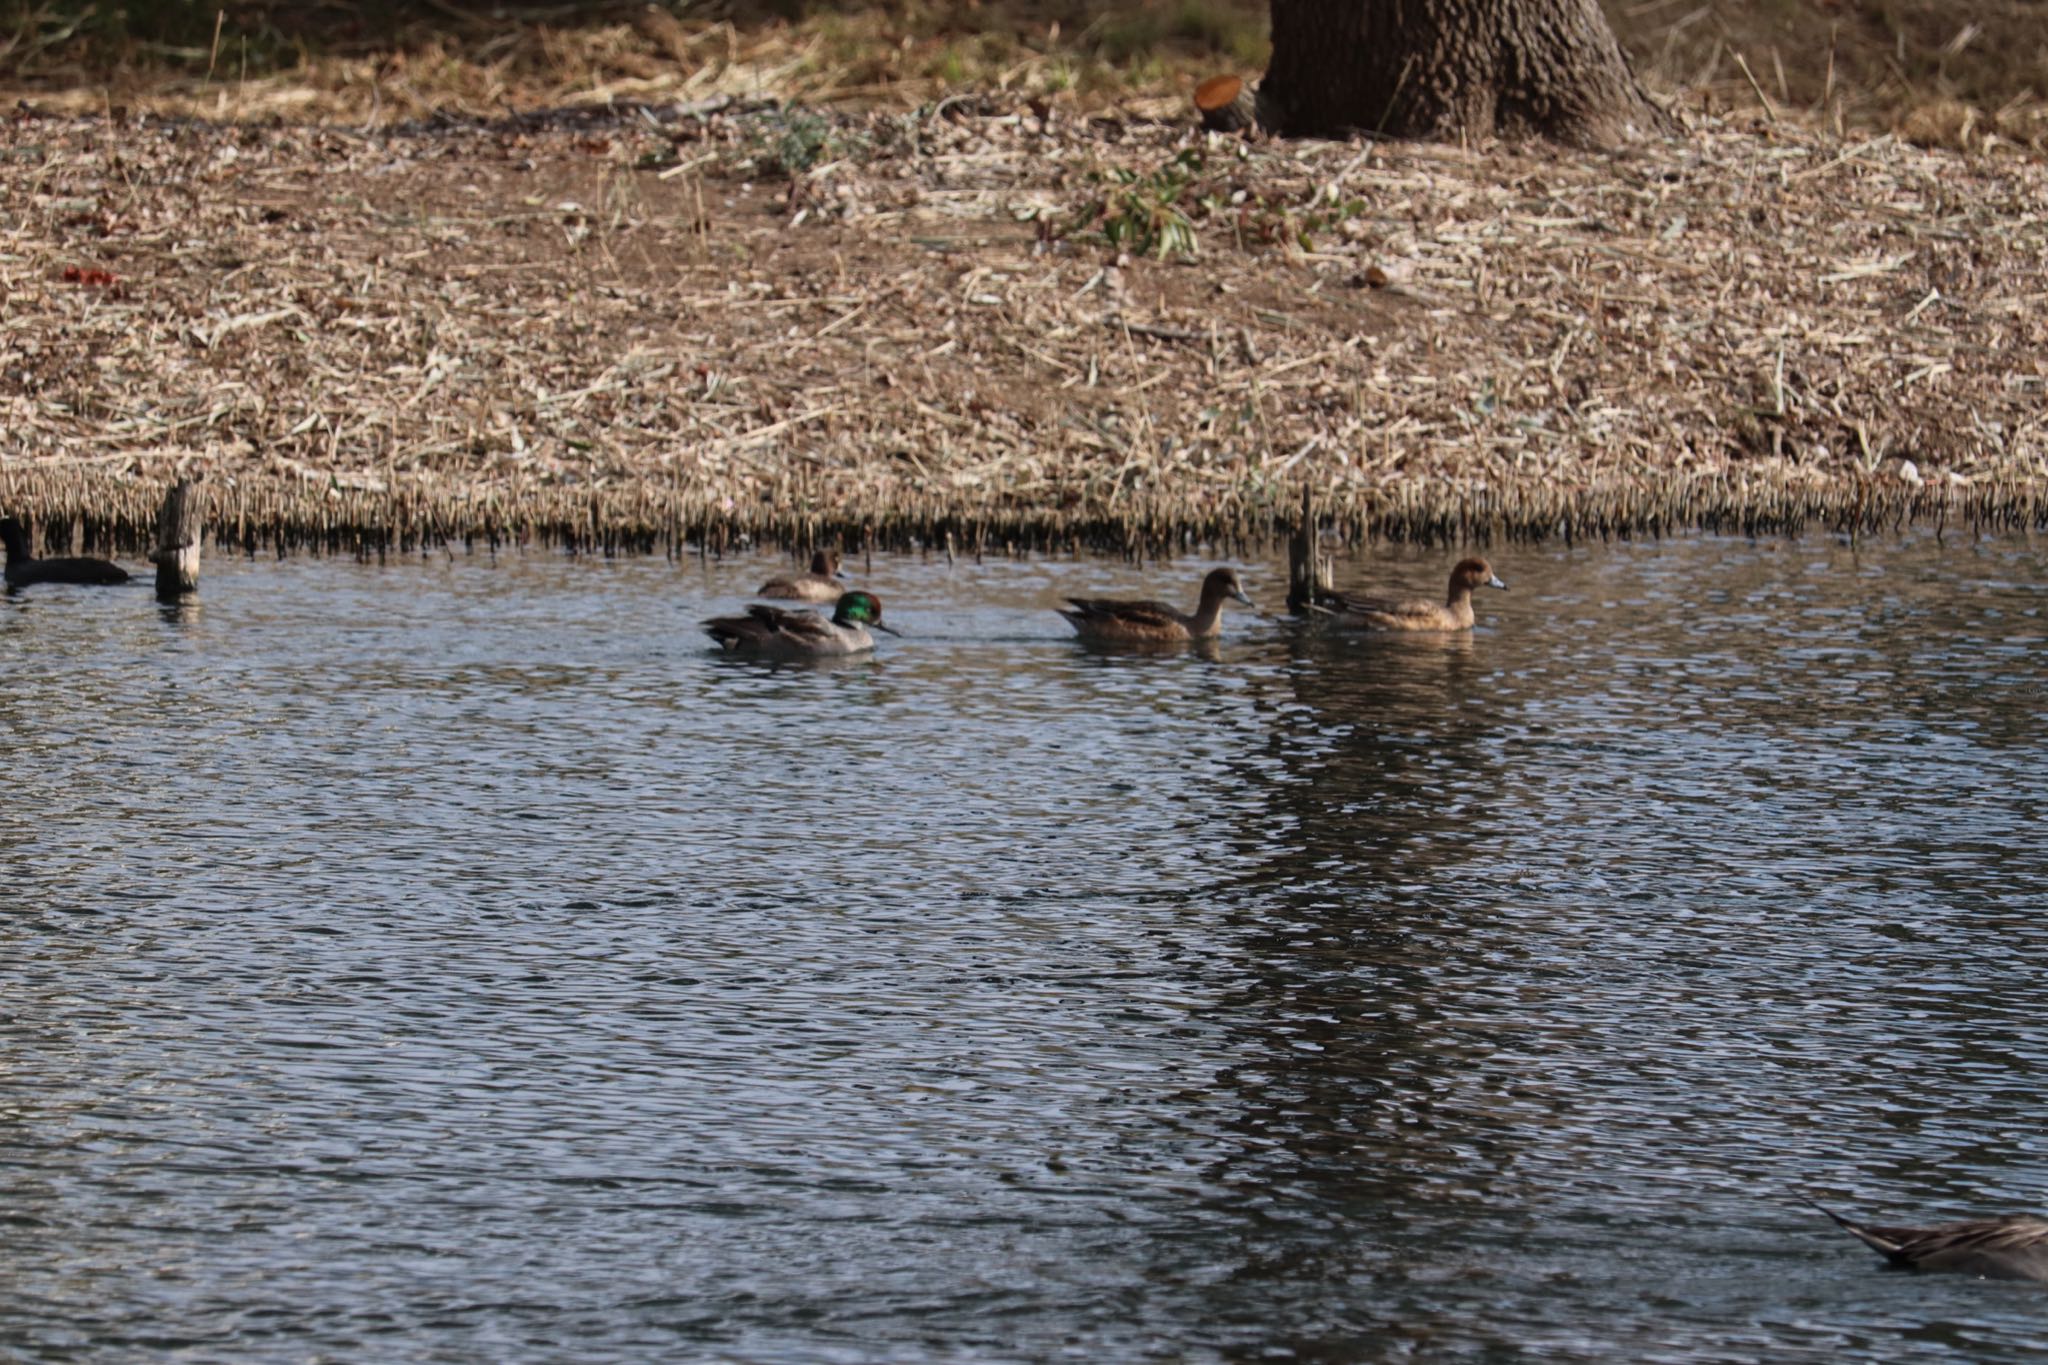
179	525
1308	573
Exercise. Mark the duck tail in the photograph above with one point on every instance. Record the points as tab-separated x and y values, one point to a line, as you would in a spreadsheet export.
1803	1197
1870	1237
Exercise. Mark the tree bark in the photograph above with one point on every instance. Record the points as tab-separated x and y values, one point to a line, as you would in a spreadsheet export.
1454	69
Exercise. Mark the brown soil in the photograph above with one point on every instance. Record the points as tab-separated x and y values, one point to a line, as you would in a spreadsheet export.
608	325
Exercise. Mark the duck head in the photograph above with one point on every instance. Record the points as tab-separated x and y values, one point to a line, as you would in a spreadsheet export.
1475	573
1222	583
825	564
861	609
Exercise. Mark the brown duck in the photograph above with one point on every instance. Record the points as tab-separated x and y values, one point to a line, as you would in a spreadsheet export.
1108	619
1416	613
822	584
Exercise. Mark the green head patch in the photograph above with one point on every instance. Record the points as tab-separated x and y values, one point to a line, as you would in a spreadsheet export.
859	608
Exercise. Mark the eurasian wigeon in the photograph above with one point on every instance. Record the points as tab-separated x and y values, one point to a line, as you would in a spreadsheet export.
1386	613
1106	619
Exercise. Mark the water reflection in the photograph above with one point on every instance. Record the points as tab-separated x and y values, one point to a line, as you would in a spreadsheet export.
467	959
1210	649
1347	1089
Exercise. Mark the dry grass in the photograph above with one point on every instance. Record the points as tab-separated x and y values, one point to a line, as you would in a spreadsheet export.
643	326
442	59
1970	74
1965	74
867	286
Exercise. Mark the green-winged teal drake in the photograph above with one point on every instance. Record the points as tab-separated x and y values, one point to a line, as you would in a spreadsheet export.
23	570
774	633
1098	618
2014	1247
824	583
1417	613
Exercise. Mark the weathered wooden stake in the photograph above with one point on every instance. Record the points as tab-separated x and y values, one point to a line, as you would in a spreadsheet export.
1308	573
180	523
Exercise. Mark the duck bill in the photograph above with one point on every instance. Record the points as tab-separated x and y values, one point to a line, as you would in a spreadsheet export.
1240	596
877	625
1494	582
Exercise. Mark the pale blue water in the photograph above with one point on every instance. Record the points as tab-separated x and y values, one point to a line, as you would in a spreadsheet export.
459	961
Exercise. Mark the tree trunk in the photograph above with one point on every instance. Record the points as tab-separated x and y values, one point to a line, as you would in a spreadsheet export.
1452	69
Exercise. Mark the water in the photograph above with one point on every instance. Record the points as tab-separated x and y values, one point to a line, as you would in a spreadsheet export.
459	961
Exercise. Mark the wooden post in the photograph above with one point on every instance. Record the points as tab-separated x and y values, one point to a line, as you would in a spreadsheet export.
1308	573
180	523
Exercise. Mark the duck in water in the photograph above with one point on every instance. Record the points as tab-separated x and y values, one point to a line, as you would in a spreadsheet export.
1114	621
24	570
773	633
824	583
1416	613
2014	1247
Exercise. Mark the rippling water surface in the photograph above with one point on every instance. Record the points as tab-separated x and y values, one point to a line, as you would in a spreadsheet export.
460	961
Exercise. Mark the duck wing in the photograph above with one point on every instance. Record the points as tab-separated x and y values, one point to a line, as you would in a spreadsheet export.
1393	610
806	627
808	587
1142	615
763	625
734	632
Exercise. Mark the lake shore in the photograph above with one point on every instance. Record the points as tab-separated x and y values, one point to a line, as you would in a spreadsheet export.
666	325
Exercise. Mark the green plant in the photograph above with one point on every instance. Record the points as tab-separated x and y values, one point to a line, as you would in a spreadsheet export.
1143	213
1273	223
790	142
1156	213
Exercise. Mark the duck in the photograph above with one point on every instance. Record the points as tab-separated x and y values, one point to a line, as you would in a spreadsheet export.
24	569
1416	613
821	584
774	633
1100	618
2013	1247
